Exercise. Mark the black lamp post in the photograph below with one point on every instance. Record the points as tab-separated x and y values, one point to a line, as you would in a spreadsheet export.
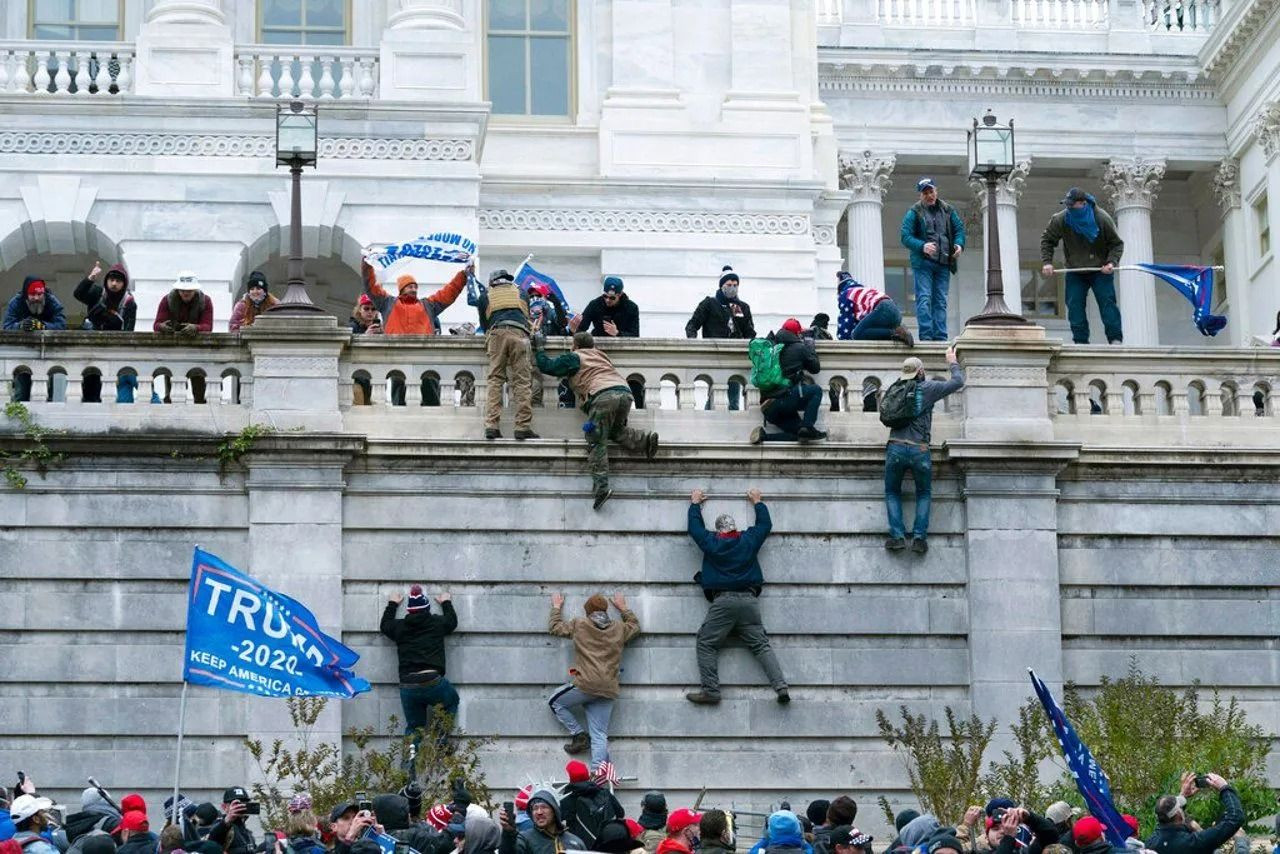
991	158
297	142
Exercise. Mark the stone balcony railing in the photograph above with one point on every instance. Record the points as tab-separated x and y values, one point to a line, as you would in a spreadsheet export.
1177	398
66	68
1188	17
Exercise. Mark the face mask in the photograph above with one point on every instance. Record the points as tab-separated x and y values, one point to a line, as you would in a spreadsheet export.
731	291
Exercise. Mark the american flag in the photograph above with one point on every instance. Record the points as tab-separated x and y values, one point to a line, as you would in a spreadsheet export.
606	775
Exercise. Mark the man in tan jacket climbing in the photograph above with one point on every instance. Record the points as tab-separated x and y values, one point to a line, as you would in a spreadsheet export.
597	653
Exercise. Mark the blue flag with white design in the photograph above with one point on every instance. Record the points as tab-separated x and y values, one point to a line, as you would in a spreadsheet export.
244	636
1091	780
526	276
1196	284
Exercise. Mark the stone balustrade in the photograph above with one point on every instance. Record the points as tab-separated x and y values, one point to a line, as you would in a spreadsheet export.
297	71
1160	396
66	68
1181	16
929	13
1061	14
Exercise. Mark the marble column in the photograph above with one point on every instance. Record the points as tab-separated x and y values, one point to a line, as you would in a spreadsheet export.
643	50
1008	192
186	12
1266	287
1134	183
1226	186
425	15
866	176
429	52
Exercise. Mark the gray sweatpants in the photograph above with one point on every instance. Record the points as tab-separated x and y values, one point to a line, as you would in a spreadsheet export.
598	710
730	612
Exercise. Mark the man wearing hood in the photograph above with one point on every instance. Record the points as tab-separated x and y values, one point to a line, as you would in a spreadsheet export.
1089	239
483	836
917	831
136	836
653	818
419	640
33	308
95	814
723	315
392	812
783	835
731	579
111	306
782	407
586	806
255	301
547	835
597	655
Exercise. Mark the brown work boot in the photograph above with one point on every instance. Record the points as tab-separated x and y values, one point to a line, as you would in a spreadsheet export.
651	446
702	698
580	743
901	334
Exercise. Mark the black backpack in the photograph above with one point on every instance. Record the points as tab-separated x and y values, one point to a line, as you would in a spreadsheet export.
902	403
590	815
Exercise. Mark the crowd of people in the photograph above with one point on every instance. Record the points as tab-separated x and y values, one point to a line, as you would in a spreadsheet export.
584	815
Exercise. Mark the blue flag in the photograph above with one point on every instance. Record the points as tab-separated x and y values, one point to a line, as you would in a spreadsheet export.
243	636
527	276
1196	284
1091	780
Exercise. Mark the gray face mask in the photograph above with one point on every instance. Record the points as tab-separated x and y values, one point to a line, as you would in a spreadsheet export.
731	291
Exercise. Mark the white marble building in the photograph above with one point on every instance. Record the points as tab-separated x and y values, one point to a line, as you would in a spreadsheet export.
652	139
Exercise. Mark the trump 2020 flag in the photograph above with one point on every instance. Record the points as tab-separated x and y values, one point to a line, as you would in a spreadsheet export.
526	276
243	636
1196	284
1091	780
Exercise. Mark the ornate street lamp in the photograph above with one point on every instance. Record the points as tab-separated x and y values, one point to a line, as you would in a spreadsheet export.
297	143
991	158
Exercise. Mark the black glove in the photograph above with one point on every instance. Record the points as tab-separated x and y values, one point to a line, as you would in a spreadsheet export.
461	797
27	324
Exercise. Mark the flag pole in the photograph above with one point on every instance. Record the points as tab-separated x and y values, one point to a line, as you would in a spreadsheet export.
523	264
1218	268
177	763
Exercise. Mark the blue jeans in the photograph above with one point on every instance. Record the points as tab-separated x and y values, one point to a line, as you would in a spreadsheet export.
898	460
932	281
879	323
418	703
1104	292
784	412
598	711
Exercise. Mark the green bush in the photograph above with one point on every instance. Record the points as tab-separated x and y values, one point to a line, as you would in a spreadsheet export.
944	775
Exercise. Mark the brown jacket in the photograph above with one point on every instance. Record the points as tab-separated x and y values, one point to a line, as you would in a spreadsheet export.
597	652
595	373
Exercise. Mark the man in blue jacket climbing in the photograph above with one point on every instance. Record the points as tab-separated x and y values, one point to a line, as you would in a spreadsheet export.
731	580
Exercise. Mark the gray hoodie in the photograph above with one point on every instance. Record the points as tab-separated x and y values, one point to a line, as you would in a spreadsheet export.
535	841
918	830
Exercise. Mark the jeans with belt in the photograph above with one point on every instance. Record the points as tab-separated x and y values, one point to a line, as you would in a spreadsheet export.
899	459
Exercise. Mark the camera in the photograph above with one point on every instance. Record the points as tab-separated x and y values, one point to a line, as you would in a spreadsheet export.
998	814
252	808
363	804
509	809
1202	781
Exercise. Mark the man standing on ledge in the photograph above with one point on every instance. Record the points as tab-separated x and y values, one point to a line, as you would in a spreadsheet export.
731	580
1089	239
505	313
934	233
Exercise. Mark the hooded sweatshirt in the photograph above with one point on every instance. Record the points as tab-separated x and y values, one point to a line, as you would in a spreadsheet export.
51	313
109	311
597	650
783	834
483	835
554	840
392	812
918	830
95	813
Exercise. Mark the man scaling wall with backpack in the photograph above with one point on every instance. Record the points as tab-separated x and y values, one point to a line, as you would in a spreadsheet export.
907	410
789	399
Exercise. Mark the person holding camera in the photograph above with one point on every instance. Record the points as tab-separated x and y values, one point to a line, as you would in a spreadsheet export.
731	579
1174	835
783	406
349	821
547	834
419	640
230	831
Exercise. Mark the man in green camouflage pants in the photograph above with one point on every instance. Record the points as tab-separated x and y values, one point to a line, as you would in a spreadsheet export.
603	394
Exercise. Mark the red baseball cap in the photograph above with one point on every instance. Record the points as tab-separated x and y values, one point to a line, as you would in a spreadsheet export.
1087	830
135	821
35	288
679	819
792	325
578	771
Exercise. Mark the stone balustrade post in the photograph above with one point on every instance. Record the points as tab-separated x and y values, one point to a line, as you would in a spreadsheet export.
1134	183
1008	192
429	52
867	177
185	49
295	372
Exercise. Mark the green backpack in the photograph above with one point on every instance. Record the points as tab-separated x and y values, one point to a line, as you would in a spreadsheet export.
766	369
901	403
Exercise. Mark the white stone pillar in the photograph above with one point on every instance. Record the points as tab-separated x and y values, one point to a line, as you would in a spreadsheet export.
867	177
643	50
429	53
1226	186
1134	183
1008	192
760	34
185	49
1266	287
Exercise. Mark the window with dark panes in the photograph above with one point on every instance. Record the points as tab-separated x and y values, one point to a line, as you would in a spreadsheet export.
76	20
1039	293
309	22
529	60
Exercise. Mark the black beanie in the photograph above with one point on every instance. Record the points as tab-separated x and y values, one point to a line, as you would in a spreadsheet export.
904	818
817	811
727	274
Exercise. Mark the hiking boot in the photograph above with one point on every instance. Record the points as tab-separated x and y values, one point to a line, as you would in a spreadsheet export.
702	698
492	433
757	435
601	498
919	545
521	435
810	434
580	743
895	544
783	696
901	334
651	446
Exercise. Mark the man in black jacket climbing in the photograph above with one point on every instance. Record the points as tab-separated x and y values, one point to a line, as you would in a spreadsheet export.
793	409
419	640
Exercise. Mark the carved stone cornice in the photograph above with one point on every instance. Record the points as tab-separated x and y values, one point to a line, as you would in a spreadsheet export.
1266	128
1133	181
680	222
216	145
867	175
1226	185
1008	188
1239	33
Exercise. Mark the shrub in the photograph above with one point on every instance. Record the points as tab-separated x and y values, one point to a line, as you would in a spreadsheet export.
945	776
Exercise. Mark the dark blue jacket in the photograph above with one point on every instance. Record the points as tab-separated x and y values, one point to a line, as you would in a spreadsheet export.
730	563
51	315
